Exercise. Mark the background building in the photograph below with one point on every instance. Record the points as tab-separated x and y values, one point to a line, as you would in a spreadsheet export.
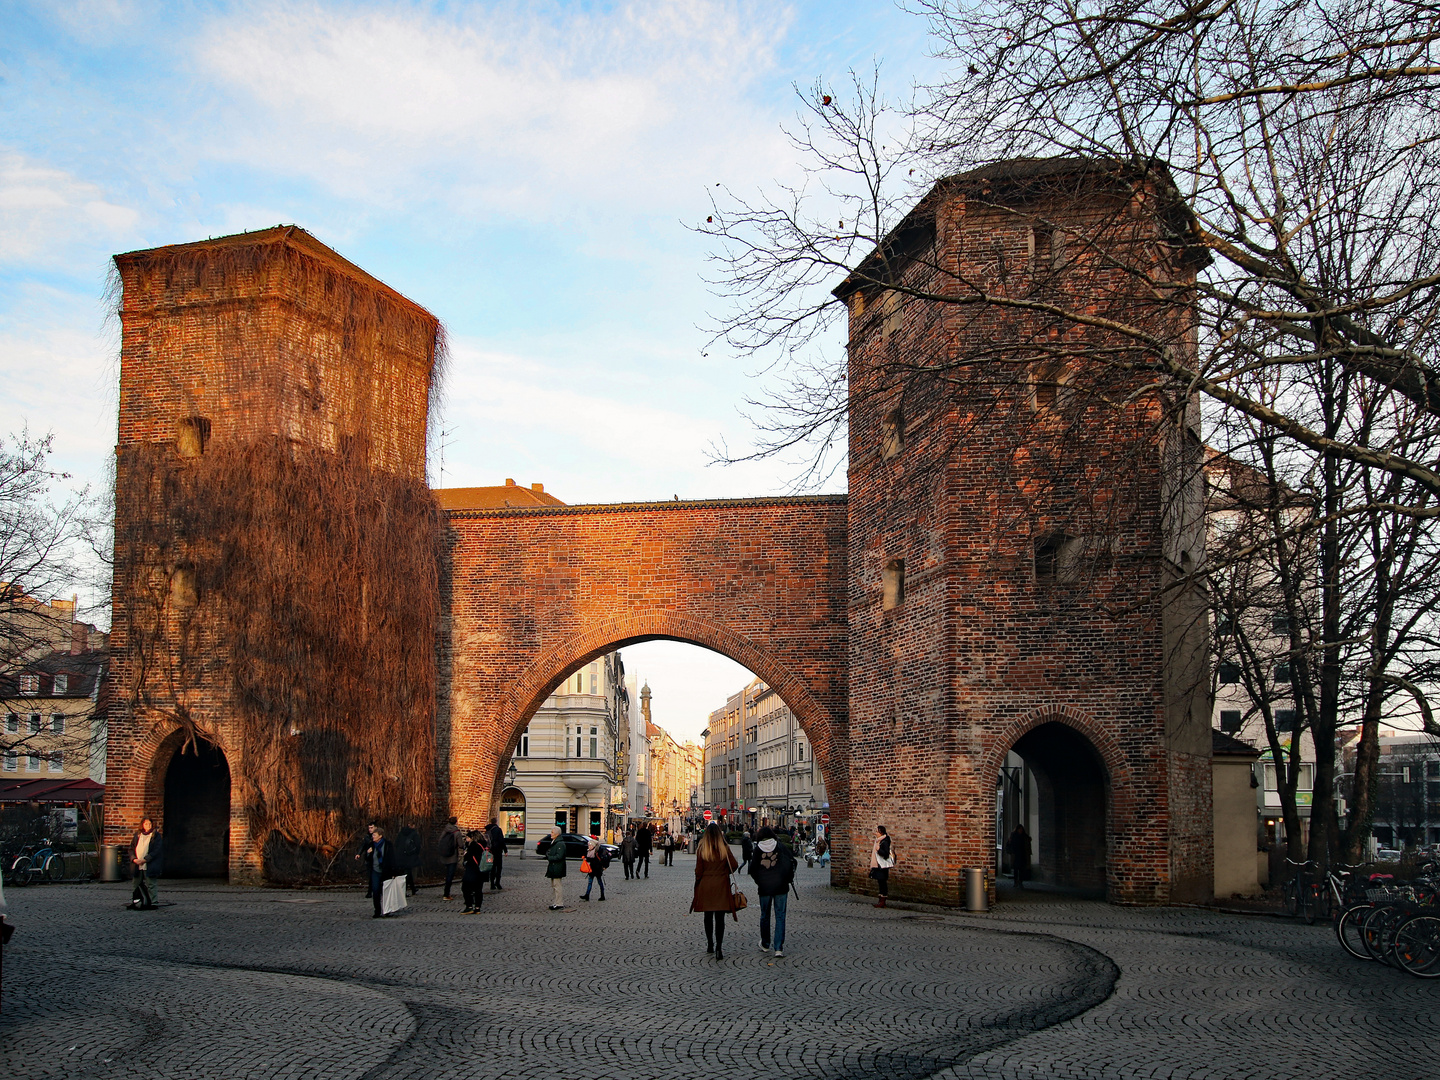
759	764
571	763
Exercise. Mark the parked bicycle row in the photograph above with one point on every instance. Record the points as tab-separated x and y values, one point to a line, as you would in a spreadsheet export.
1376	917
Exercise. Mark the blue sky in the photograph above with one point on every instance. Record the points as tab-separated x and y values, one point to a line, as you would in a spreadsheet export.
526	171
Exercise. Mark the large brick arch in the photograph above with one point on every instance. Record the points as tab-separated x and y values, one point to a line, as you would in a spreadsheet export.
534	593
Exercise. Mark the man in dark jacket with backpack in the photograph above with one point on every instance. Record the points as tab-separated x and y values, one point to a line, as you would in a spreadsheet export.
497	845
773	867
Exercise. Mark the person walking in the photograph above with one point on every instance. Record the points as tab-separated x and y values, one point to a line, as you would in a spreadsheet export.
147	860
772	865
882	858
669	849
1018	848
472	881
713	866
595	858
747	847
452	845
644	840
555	868
381	856
407	855
497	845
627	853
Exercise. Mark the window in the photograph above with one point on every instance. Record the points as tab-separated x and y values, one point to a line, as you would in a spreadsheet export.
800	752
594	682
57	761
1229	673
580	683
12	724
892	434
57	723
578	752
1282	674
1432	769
184	593
594	748
1057	559
191	435
890	314
1284	719
893	580
12	761
1049	387
1223	625
32	763
61	684
1280	624
1230	721
524	749
29	684
35	723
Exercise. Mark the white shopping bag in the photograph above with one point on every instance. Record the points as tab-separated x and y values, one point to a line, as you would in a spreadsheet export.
392	896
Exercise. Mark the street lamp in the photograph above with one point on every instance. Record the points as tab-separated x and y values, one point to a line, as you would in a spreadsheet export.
510	776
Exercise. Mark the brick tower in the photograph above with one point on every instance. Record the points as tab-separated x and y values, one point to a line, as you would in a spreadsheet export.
1023	508
270	467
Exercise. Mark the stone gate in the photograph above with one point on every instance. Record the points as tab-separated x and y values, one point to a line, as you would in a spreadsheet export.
1008	573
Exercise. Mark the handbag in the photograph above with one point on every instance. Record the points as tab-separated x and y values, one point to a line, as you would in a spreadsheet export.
737	900
584	865
392	895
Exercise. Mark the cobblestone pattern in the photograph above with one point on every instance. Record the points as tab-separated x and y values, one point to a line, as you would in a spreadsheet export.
247	983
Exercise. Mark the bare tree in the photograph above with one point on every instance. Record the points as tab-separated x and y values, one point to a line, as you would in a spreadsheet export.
1289	147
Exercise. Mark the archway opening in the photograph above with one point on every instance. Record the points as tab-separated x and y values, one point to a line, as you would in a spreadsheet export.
197	812
1054	784
666	735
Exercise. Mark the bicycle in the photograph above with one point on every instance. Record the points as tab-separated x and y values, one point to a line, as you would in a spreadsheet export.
1302	897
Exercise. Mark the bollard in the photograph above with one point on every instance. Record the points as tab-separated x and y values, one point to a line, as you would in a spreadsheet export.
977	889
109	862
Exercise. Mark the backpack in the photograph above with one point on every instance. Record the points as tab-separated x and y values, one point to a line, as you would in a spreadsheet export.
602	857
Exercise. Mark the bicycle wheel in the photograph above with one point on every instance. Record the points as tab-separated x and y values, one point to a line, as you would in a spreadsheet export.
1349	929
1292	897
1310	904
1417	946
20	871
1373	933
54	869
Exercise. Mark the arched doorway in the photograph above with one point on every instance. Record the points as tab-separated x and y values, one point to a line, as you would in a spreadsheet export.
1055	782
197	812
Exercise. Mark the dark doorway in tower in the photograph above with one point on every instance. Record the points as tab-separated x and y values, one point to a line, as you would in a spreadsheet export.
1055	785
197	812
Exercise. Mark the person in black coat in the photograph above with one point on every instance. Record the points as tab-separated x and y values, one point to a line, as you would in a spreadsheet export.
147	862
383	861
407	855
644	841
772	865
1018	848
497	845
472	884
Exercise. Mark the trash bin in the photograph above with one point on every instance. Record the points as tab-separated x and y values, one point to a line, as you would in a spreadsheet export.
109	862
977	889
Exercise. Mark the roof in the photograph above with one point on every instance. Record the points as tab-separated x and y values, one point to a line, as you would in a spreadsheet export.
1223	745
1015	180
279	236
82	668
510	494
50	791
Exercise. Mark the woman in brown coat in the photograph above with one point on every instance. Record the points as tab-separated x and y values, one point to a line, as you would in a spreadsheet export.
713	866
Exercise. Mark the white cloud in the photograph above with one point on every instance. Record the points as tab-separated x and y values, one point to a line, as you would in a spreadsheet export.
588	438
45	212
520	109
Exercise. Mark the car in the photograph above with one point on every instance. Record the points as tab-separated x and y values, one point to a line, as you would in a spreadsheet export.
575	846
1387	855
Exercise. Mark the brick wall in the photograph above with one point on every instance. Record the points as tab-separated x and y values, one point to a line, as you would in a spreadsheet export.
534	593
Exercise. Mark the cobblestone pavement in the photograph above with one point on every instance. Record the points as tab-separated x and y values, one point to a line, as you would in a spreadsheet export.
230	982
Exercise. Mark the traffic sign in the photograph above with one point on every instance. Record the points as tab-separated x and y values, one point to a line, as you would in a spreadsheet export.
825	819
707	815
